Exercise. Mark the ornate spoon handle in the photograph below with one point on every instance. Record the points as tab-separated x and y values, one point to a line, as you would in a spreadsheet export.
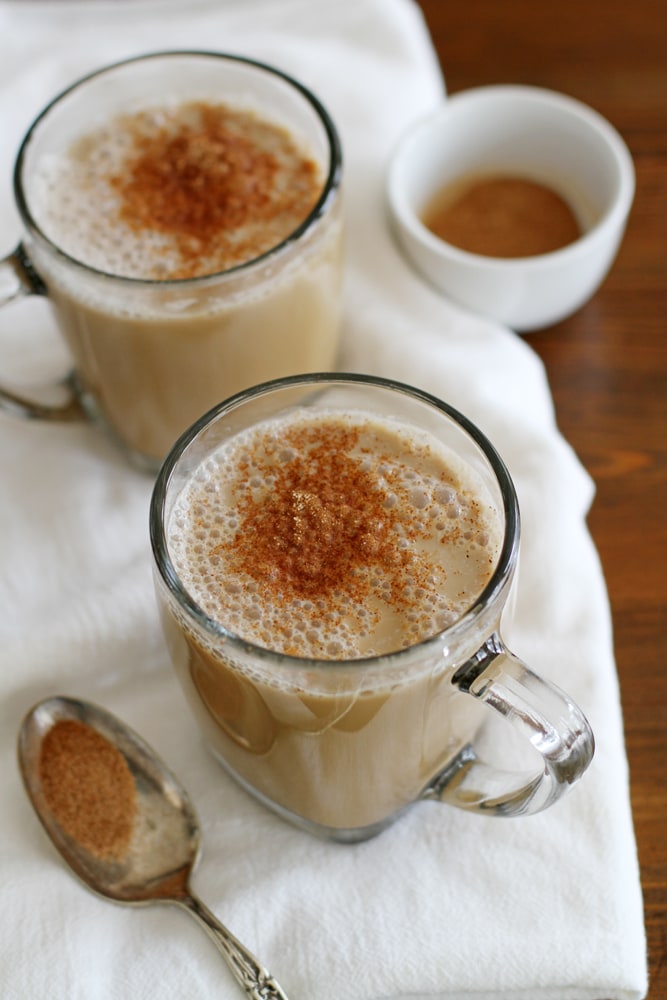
256	982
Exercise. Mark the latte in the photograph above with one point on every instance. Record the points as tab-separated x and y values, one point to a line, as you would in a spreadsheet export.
330	537
190	245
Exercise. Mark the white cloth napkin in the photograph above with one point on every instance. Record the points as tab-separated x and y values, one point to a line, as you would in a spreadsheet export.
443	904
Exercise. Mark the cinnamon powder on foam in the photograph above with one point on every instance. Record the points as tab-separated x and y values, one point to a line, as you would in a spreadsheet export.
319	539
222	184
324	523
324	519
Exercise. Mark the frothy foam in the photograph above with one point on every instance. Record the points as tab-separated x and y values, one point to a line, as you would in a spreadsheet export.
175	192
334	536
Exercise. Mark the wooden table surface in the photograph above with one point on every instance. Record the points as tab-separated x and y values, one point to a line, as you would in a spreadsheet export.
607	364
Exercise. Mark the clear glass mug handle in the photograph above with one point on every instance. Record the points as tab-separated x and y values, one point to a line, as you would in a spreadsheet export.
59	401
542	713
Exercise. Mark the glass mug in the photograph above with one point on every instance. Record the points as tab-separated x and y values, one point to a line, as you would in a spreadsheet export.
151	355
342	747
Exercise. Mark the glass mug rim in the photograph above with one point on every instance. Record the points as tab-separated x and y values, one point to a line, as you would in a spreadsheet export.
216	632
329	191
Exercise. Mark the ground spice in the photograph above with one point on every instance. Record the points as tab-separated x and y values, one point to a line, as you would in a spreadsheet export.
217	181
502	217
89	788
325	518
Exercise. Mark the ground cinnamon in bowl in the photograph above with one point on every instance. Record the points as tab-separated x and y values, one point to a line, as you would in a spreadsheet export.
89	788
502	216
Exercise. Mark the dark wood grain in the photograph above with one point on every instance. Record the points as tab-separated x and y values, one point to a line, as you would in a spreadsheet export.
607	365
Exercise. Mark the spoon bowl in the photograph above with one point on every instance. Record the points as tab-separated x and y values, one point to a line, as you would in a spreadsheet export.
166	840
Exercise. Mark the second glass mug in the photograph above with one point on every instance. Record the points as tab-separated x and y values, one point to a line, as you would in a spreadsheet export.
342	748
151	355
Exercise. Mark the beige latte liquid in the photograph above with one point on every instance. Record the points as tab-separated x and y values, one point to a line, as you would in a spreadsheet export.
163	205
329	537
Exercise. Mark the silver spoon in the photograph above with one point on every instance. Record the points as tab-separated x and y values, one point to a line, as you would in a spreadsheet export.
165	842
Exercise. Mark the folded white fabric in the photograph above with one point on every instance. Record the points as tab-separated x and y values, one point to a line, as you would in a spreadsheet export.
443	904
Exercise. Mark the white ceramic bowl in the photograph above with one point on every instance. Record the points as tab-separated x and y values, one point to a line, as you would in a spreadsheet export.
532	133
